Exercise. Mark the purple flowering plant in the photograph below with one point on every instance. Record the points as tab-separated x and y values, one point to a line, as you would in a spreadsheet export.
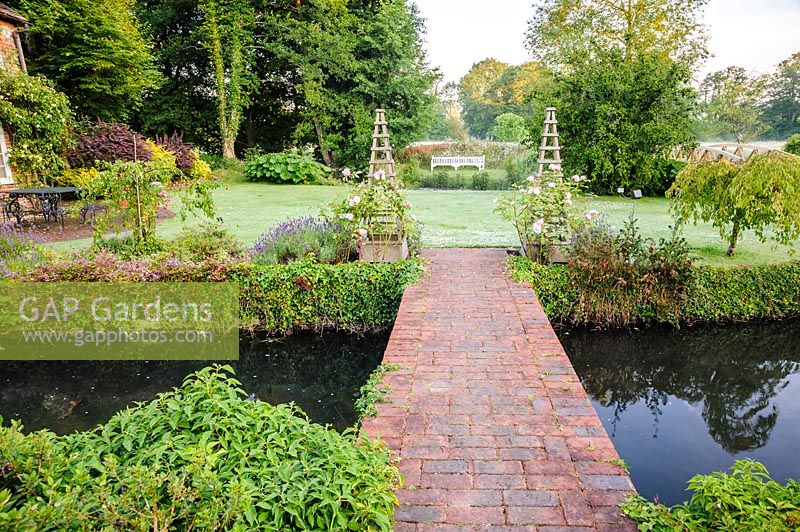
300	238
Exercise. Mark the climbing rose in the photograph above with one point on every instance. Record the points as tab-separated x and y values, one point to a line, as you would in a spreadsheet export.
551	184
348	216
591	214
346	172
380	174
362	233
538	225
536	190
531	178
355	200
555	167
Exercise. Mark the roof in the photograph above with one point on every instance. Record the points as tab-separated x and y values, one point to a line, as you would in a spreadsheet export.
6	13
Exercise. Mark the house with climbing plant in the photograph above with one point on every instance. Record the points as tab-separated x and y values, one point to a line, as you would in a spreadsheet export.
12	25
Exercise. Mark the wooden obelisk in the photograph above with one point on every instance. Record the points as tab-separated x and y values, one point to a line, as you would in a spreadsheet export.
549	150
381	153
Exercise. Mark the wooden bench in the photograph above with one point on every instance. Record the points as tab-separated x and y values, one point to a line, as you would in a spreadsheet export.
458	162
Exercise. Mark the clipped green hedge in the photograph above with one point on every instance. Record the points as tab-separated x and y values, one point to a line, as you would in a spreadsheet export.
712	294
202	457
355	296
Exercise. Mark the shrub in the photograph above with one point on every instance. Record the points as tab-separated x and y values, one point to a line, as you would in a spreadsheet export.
83	178
38	120
209	242
127	247
284	168
183	152
745	499
793	145
18	251
480	181
410	174
108	142
162	163
710	294
300	238
623	278
199	171
202	456
495	152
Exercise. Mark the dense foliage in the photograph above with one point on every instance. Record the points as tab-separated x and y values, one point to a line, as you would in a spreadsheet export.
744	499
284	168
710	294
731	105
782	106
620	118
38	120
95	51
107	142
200	457
761	195
322	68
509	127
621	278
793	145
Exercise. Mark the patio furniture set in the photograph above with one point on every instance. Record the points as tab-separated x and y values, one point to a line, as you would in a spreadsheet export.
26	204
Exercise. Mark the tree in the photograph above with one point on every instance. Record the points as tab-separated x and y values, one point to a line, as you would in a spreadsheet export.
477	104
94	51
509	127
782	108
760	194
564	31
227	34
619	120
732	101
38	120
492	88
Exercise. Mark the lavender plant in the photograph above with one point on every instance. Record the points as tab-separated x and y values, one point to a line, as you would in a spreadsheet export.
299	238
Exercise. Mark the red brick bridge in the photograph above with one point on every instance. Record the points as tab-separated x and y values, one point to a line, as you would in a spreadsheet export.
491	425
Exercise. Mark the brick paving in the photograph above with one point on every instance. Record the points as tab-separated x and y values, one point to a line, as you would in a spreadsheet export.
492	427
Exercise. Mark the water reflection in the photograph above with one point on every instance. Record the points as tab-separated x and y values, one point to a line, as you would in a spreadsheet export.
322	374
737	379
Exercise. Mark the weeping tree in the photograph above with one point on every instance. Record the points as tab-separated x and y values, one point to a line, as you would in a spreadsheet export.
761	195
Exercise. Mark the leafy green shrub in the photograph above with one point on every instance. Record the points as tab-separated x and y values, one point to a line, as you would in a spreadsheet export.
410	174
38	120
711	294
480	181
284	168
199	170
209	242
793	145
83	178
127	247
745	499
200	457
299	238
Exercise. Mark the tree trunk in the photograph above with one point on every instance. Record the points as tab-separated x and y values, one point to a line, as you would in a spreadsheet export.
227	147
733	239
326	154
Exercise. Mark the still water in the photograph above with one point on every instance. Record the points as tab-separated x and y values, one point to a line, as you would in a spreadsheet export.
320	373
681	402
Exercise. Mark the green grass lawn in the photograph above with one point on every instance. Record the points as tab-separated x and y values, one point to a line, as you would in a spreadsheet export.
455	218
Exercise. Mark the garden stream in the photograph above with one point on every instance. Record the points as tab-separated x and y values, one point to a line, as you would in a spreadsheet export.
682	402
320	373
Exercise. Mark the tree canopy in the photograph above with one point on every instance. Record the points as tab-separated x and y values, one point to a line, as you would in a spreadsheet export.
731	104
95	51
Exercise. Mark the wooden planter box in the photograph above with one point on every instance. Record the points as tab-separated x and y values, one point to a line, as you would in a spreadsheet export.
553	255
391	248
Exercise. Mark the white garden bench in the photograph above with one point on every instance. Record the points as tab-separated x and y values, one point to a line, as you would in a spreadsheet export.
458	162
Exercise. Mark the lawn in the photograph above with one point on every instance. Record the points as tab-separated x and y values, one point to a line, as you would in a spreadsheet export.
455	218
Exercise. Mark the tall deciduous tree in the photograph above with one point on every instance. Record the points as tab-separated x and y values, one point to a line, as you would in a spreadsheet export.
563	31
94	51
782	109
227	35
732	102
620	119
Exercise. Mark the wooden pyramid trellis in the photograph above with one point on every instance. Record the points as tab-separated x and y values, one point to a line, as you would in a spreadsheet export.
381	153
549	151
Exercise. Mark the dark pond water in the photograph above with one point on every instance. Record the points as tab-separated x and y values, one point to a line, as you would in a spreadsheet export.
320	373
681	402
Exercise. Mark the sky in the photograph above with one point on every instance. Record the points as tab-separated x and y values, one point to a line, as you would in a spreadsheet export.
754	34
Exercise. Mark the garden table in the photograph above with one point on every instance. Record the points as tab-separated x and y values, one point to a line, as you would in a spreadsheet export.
47	200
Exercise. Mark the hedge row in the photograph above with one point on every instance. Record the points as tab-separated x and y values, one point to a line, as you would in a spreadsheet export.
712	294
278	299
356	296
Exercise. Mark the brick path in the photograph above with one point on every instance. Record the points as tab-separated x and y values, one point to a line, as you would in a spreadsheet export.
492	426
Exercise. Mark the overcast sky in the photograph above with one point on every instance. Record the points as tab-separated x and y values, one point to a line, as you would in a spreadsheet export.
754	34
